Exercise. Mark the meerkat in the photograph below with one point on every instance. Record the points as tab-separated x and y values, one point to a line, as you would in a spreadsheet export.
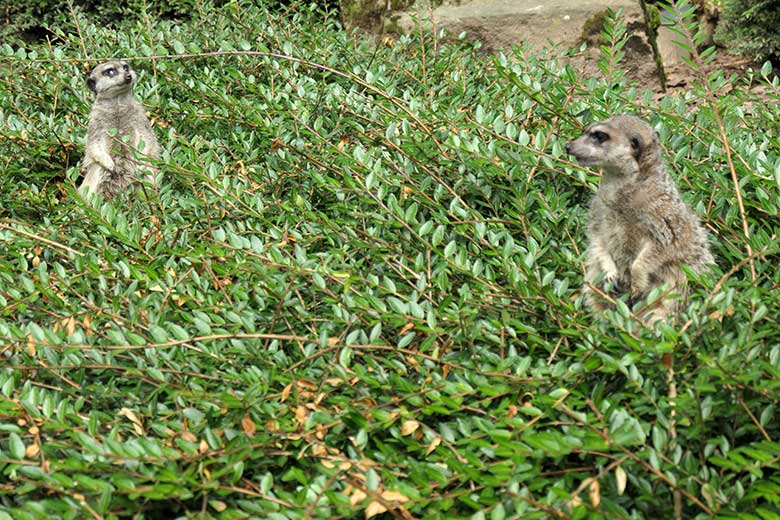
640	230
118	127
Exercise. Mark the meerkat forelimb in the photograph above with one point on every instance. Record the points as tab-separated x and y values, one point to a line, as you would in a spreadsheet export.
640	231
118	131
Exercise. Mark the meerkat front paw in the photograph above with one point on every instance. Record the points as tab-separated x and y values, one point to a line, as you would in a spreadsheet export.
640	281
108	163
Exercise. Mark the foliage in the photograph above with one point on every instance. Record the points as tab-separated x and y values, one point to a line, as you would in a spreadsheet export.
749	27
31	17
356	292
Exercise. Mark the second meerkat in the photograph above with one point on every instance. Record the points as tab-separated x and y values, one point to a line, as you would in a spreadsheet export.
640	230
117	127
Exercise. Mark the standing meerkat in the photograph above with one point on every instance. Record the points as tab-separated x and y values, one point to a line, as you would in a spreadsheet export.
118	127
640	230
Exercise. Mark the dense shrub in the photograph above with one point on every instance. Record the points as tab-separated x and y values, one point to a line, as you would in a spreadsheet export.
357	289
31	18
749	27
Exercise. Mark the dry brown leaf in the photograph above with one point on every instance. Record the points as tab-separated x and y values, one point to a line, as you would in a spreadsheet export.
248	425
409	427
594	492
300	414
621	479
357	497
218	505
138	426
70	325
394	496
667	361
32	451
286	392
374	508
433	445
319	450
188	436
406	328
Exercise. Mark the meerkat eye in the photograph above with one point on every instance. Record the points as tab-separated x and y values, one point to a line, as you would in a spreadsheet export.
109	72
126	67
599	136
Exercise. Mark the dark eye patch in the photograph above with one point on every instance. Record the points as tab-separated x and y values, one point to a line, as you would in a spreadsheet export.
126	66
109	72
599	136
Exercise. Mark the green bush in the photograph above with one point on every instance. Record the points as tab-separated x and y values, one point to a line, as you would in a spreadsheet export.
749	27
357	289
34	18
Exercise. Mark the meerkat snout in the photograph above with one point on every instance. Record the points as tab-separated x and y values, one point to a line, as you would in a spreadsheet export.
640	231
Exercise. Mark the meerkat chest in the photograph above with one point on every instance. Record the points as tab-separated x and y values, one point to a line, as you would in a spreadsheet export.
117	124
617	232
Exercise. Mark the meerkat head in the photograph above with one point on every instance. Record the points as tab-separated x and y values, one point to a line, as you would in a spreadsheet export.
620	146
111	79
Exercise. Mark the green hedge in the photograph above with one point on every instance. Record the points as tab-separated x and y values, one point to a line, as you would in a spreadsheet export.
749	27
358	289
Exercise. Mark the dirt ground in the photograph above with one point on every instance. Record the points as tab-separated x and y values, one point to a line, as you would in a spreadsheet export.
499	24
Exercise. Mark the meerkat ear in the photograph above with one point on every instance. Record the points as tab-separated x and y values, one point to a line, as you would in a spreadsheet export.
636	146
91	83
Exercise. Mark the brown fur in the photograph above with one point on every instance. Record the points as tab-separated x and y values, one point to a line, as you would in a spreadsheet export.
117	127
640	230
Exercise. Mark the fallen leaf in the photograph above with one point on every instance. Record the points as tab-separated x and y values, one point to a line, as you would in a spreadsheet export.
32	451
620	478
667	360
286	392
357	497
374	508
300	414
409	427
394	496
248	425
594	492
138	426
433	445
406	328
